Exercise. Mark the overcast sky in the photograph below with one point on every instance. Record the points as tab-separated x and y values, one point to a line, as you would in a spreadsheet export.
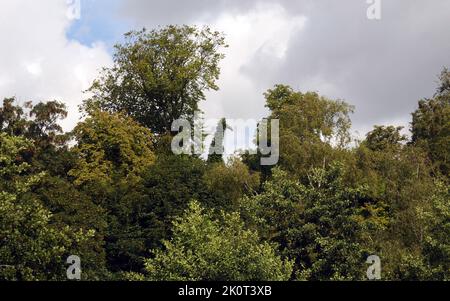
383	67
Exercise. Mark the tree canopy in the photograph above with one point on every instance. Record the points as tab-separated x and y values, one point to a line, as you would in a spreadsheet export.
206	249
160	75
112	193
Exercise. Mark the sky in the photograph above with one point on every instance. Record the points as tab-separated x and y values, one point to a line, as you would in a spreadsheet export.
53	49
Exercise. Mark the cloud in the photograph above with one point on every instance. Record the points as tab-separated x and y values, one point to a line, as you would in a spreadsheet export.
382	67
264	33
38	62
159	13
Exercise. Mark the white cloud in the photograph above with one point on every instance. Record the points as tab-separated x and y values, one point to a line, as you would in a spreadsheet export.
263	32
38	62
34	68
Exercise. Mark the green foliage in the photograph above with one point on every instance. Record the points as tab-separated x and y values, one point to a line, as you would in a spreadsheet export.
329	238
206	249
12	119
432	260
110	146
229	182
435	235
31	248
112	153
316	224
309	115
36	122
39	124
160	75
169	185
112	192
74	208
310	125
217	148
399	182
437	246
431	125
384	137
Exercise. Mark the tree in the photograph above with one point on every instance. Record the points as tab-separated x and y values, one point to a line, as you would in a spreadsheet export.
315	224
384	137
169	185
217	147
310	115
433	261
113	151
12	119
74	208
444	78
437	239
37	122
110	147
47	157
31	247
229	182
431	127
211	250
310	127
113	193
399	180
160	75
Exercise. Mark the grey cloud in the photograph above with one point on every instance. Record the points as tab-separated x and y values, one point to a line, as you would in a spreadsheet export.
157	13
382	67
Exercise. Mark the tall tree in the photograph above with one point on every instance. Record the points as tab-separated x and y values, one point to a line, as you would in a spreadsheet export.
310	128
39	123
160	75
436	244
48	157
112	152
217	148
431	125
